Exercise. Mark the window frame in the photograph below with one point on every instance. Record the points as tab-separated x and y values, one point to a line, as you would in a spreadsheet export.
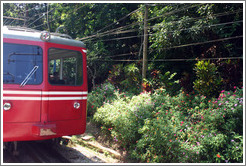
42	71
48	66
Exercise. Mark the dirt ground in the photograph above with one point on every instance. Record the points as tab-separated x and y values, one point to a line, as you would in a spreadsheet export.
97	137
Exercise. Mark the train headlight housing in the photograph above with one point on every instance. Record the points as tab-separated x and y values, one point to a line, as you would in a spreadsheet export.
45	36
6	106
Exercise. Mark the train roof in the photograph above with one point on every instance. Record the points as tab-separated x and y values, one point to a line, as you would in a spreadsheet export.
34	35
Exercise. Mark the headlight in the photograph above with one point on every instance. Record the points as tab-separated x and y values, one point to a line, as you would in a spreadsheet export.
6	106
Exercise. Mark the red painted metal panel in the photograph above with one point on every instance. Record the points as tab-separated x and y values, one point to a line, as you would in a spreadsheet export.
64	110
22	111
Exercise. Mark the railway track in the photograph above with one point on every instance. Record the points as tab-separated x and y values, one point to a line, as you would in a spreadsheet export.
34	152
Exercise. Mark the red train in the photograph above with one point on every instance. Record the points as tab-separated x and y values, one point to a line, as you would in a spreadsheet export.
44	85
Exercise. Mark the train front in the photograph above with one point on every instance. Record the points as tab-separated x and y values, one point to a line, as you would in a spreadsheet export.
44	85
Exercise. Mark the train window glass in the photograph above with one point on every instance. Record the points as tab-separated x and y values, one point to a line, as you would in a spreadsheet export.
65	67
22	64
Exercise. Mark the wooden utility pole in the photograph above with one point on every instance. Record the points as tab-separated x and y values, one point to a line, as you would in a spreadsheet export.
48	17
25	16
145	44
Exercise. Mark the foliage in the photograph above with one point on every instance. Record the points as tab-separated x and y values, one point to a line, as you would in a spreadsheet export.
165	81
180	25
184	128
208	79
231	72
126	78
98	96
172	28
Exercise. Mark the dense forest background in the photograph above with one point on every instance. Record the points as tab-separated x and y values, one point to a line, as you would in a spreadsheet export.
179	34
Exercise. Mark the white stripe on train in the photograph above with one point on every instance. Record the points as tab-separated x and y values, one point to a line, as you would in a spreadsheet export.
46	92
44	98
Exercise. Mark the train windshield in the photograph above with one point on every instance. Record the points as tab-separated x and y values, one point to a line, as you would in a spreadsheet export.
65	67
22	64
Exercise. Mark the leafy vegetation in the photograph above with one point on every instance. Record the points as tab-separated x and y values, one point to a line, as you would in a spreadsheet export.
208	80
114	32
184	128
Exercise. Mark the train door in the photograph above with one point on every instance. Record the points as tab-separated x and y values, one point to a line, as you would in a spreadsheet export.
65	95
22	77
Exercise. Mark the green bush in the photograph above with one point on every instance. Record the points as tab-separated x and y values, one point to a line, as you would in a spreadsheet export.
157	127
166	81
123	117
98	96
208	79
126	78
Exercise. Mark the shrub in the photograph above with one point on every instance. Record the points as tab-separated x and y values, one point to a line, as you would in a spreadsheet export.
208	79
165	81
126	78
123	116
157	127
101	94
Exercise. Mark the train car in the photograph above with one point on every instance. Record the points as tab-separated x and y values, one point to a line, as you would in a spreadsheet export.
44	85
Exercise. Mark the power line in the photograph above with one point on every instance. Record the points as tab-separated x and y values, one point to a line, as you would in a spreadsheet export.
55	19
213	25
120	19
215	15
175	11
169	60
14	18
211	41
191	44
140	22
43	14
110	32
23	13
131	53
28	9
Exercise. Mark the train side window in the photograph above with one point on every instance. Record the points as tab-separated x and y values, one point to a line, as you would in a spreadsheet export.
22	64
65	67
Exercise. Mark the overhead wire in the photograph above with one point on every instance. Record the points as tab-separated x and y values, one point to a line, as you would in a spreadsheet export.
28	9
168	60
128	37
175	11
112	31
186	45
120	19
191	6
26	18
95	35
43	15
11	18
210	41
55	19
196	18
